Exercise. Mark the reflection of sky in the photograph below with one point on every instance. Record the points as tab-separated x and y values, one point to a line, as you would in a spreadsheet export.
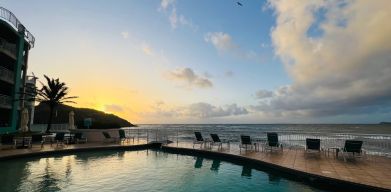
215	62
135	171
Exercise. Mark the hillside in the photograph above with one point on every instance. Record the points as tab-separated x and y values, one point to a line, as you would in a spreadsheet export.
100	120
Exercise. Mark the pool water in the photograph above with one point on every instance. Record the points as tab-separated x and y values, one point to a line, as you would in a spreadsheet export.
147	170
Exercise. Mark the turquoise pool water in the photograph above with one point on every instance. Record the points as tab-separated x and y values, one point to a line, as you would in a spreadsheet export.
136	171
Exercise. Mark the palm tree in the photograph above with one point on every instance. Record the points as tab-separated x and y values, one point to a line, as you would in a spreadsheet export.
53	94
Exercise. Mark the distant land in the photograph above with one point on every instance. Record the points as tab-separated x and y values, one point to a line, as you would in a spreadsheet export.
385	123
100	120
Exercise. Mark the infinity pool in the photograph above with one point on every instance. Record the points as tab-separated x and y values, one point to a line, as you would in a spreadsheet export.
136	171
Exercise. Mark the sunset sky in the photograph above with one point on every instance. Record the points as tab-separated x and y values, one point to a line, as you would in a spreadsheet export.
203	61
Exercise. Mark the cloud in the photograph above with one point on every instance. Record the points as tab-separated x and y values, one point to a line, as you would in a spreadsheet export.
175	19
206	110
147	49
262	94
343	69
113	108
224	44
188	76
200	110
125	34
220	40
164	4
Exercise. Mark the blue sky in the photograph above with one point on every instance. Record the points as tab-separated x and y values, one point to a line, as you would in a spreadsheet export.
176	61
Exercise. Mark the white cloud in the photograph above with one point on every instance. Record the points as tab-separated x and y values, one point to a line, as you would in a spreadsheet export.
147	49
200	110
344	70
164	4
220	40
125	34
224	44
191	79
175	19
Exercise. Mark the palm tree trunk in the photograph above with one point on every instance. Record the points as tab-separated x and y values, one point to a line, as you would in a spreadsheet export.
50	119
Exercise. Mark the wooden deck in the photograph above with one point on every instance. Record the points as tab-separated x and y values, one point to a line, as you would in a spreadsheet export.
374	170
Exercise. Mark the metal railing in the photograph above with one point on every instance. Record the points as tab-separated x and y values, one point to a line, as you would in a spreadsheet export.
6	75
54	127
375	144
5	101
11	18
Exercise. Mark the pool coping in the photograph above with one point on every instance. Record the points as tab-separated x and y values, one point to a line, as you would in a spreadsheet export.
82	149
312	179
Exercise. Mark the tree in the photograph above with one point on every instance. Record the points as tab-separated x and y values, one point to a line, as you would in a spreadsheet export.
53	94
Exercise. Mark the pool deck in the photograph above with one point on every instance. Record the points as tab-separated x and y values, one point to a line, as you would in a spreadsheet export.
372	171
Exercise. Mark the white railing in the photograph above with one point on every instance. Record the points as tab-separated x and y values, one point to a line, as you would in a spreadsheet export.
11	18
375	144
54	127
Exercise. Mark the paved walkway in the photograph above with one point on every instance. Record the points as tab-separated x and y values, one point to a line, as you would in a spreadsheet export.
374	170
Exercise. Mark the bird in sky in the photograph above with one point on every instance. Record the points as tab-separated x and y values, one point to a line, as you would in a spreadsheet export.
240	4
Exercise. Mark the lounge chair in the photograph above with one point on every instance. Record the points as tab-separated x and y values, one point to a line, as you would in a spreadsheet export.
80	138
272	142
353	147
60	139
123	137
198	139
245	142
37	138
108	138
312	145
216	141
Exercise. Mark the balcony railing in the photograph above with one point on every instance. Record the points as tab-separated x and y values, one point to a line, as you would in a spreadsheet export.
11	18
8	48
5	101
6	75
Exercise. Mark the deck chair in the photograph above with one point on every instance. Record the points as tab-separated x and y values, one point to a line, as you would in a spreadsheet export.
108	138
80	138
216	141
123	137
198	139
312	145
245	142
272	141
60	139
353	147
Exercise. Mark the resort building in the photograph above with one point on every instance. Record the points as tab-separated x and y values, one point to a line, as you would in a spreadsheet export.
15	43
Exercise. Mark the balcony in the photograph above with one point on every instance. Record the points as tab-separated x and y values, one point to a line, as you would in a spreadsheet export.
11	18
6	75
8	48
5	101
